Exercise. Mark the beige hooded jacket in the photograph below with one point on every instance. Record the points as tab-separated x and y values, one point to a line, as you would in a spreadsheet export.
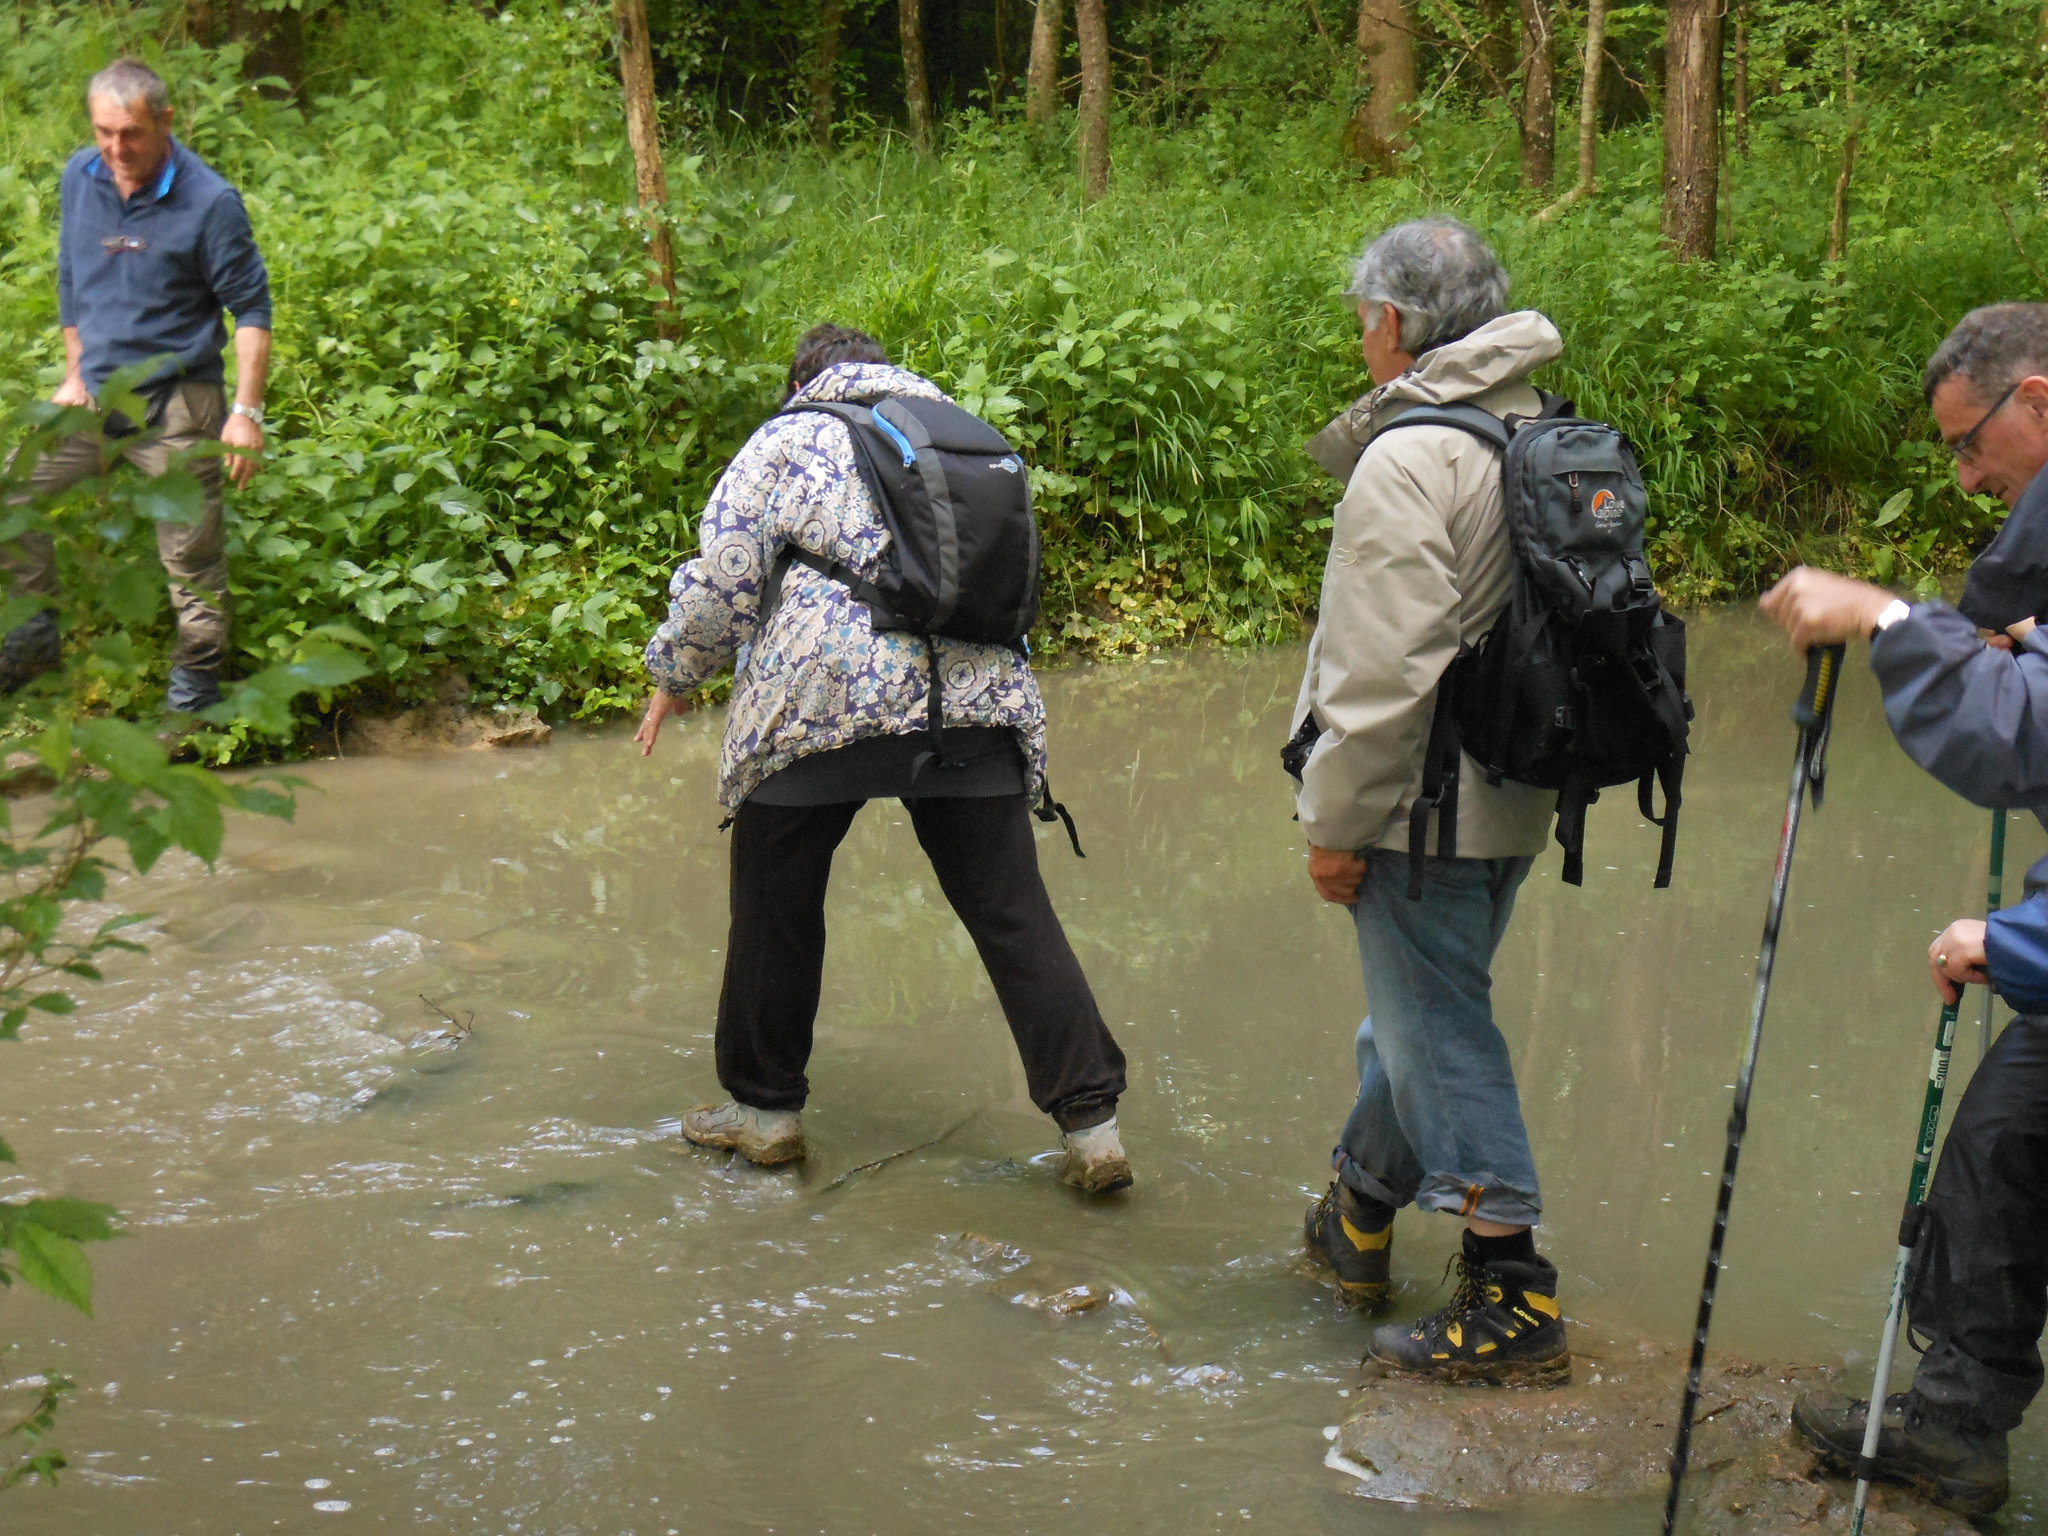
1419	562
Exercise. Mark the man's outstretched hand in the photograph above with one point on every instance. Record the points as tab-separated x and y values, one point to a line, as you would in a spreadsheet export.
1818	608
659	708
1957	958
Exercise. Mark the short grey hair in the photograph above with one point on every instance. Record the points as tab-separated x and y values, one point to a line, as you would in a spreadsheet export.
1990	349
128	81
1443	280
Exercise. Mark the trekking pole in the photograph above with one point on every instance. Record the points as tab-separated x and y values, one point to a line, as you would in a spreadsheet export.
1992	903
1812	715
1909	1230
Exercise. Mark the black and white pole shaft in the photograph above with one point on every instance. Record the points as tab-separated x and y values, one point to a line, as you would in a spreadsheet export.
1809	775
1909	1232
1993	900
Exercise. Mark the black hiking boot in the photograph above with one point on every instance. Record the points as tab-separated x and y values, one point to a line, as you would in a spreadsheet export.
1502	1328
32	648
1942	1455
1353	1238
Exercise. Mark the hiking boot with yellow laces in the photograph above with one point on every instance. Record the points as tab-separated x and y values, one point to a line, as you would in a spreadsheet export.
1353	1238
1502	1328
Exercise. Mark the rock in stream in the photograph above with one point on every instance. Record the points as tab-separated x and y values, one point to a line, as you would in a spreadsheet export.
1608	1435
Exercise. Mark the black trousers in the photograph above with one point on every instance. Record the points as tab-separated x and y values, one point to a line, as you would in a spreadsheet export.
1978	1282
987	864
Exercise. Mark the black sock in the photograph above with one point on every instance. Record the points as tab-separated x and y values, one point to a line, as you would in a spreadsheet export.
1362	1211
1515	1248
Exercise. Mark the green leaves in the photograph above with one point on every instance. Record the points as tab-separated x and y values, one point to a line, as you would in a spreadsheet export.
1890	511
45	1239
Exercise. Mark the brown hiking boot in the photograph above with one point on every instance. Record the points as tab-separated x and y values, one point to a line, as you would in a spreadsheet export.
770	1137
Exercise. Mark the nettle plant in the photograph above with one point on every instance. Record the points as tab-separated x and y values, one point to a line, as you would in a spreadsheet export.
102	795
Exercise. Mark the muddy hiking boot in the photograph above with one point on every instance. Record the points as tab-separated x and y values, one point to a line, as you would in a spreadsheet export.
1942	1455
1502	1328
31	649
1094	1160
769	1137
1353	1238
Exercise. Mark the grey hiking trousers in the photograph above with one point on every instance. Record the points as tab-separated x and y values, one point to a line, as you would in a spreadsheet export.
194	554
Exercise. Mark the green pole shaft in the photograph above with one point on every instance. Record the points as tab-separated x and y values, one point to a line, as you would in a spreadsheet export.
1992	902
1909	1230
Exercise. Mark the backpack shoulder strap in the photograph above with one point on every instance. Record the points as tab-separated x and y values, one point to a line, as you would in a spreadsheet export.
1476	420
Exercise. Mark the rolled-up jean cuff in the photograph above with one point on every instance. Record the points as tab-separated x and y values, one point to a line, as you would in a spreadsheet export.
1491	1202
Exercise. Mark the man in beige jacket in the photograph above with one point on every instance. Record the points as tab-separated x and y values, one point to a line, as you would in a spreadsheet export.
1419	565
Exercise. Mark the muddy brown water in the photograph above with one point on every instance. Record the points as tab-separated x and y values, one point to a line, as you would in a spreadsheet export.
371	1284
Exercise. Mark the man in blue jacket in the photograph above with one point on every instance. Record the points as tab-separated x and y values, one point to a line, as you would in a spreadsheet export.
1974	713
154	246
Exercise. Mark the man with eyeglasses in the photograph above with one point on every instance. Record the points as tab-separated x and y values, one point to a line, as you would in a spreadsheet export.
1972	711
154	245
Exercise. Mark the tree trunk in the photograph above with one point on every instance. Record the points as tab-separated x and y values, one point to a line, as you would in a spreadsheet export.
1093	27
1002	79
1742	80
274	43
1539	95
643	132
1386	68
1838	227
825	67
917	93
1042	79
1692	94
1589	96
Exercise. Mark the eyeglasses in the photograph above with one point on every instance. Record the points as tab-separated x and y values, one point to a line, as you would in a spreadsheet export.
1965	447
113	245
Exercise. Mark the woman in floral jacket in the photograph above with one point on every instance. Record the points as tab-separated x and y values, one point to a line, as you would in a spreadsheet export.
827	714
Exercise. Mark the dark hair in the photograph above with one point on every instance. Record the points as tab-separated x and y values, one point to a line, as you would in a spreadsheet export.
823	345
1990	348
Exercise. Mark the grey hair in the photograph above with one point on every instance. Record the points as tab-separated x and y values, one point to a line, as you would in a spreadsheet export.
1990	348
1442	279
128	81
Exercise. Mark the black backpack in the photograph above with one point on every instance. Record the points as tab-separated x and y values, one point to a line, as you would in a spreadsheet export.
1580	684
962	561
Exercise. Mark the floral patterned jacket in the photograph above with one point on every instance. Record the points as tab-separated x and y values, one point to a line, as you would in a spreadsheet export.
820	677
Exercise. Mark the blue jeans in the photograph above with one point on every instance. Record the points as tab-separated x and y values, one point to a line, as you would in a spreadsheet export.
1438	1121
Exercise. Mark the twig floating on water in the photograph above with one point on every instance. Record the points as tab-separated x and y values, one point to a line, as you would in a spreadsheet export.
923	1146
457	1030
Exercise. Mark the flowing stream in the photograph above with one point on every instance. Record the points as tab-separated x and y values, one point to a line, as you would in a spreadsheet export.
369	1282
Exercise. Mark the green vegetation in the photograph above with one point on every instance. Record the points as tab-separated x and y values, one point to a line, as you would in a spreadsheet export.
485	458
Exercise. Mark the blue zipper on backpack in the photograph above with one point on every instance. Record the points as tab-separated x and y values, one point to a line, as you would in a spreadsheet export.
896	437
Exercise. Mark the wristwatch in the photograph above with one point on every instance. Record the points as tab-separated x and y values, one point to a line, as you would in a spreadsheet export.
253	412
1892	612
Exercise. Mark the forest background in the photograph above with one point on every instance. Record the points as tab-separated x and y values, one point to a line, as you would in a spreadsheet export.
512	356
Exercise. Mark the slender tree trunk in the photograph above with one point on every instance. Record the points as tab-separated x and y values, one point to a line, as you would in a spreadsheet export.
825	67
1092	25
1042	77
1589	95
1838	227
917	93
1742	80
1539	95
1002	60
643	132
1692	96
1386	68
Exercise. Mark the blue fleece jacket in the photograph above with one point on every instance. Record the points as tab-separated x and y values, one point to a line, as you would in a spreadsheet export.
151	273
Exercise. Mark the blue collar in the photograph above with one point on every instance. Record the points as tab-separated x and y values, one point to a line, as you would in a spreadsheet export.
97	169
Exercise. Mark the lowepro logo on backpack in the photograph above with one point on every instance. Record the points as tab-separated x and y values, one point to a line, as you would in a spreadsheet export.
1580	684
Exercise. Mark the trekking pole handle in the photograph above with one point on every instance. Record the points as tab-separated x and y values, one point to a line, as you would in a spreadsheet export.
1823	675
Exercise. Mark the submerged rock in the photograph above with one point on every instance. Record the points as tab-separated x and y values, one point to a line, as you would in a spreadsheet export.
1608	1435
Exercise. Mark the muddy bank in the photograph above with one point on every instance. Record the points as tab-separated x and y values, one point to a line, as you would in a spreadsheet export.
1608	1436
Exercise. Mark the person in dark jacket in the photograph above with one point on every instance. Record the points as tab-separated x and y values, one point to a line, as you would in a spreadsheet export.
153	247
1972	709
